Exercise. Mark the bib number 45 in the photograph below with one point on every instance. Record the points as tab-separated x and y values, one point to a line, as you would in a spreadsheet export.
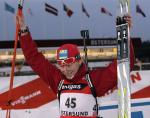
70	102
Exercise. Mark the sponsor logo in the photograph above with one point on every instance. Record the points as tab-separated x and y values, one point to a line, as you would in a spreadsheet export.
23	99
73	86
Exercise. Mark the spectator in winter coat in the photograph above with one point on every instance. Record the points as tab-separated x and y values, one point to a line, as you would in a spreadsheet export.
77	95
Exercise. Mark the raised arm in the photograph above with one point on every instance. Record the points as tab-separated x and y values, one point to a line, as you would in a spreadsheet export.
106	79
47	71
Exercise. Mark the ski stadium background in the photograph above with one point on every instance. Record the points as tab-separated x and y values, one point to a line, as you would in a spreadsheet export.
34	100
100	54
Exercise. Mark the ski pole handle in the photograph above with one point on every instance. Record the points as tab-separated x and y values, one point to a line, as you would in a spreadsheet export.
85	34
20	6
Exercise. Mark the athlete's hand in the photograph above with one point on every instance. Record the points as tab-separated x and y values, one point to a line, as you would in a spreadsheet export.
20	21
128	20
23	29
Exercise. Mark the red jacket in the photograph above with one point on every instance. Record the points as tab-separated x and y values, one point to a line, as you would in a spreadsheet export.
103	79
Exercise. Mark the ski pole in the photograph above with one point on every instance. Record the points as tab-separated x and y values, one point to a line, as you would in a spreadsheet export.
19	12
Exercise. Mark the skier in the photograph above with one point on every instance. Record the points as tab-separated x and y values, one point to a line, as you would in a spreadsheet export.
76	94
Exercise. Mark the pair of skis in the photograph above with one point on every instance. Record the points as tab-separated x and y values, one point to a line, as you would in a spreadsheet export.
123	61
